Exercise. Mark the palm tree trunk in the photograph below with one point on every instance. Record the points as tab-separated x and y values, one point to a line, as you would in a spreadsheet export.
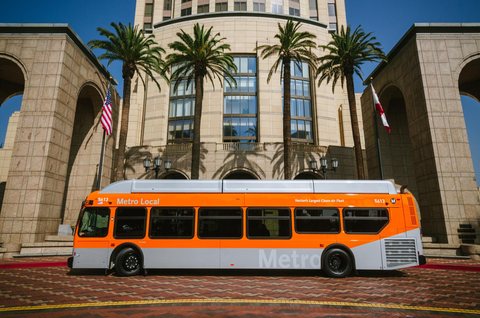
287	122
127	83
195	169
356	132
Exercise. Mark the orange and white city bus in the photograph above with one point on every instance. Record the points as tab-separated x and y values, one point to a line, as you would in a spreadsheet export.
338	226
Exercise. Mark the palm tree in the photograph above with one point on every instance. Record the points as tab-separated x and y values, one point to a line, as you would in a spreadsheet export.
200	57
138	54
346	53
294	47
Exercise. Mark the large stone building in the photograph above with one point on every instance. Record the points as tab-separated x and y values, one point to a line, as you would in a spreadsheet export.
241	128
241	132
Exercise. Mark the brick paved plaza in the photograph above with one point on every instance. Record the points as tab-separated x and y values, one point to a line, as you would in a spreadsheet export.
45	287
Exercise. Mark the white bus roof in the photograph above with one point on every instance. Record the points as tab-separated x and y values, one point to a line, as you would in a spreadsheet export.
251	186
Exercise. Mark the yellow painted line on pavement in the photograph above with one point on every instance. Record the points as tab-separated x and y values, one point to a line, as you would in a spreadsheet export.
244	301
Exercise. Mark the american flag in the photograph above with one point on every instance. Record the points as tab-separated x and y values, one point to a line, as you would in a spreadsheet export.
107	113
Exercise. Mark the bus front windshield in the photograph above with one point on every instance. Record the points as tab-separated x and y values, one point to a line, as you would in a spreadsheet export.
94	222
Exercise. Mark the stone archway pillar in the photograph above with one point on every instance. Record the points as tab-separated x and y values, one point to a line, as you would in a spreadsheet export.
57	65
424	67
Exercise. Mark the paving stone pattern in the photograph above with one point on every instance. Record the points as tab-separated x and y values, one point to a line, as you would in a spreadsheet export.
365	293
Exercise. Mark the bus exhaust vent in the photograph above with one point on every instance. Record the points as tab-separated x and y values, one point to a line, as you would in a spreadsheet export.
400	252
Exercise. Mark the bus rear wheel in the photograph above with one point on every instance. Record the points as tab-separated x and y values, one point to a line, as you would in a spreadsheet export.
128	262
337	263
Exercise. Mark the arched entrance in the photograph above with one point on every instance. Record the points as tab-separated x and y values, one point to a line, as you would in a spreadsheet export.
240	175
12	80
12	85
469	88
396	147
85	151
306	175
174	175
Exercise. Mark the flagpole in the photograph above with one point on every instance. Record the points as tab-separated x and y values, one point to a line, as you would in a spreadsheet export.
101	162
99	179
376	131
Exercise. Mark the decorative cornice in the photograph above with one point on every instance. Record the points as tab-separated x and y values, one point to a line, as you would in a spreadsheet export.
249	14
55	28
424	28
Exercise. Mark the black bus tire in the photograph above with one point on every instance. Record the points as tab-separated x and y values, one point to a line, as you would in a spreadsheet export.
337	263
128	262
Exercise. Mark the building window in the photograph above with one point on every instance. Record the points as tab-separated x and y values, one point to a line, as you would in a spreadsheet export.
221	6
166	18
332	12
294	12
167	5
300	103
203	8
239	6
184	1
149	9
259	6
185	12
147	26
277	9
332	27
312	5
240	103
181	112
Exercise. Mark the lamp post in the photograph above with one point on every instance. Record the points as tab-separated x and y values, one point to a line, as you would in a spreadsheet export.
324	166
157	162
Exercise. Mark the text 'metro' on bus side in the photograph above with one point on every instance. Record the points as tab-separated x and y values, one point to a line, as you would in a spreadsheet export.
338	226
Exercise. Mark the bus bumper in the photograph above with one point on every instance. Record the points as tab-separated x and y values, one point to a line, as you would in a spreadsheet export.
70	262
422	260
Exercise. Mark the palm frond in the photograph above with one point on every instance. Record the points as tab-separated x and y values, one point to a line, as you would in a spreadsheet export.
346	53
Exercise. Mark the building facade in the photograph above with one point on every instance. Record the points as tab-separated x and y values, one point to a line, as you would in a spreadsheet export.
241	132
51	155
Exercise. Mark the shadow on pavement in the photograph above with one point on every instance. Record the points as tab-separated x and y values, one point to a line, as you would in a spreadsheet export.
236	272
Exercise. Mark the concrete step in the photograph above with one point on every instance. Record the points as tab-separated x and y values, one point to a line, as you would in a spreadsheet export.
45	249
442	250
59	238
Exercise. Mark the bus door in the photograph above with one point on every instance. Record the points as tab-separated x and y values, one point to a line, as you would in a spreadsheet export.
91	246
363	226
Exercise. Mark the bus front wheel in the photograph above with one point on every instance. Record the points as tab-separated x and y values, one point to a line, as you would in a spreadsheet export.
337	263
128	262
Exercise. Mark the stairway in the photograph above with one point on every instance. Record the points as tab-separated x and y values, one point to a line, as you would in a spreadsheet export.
467	234
54	245
2	249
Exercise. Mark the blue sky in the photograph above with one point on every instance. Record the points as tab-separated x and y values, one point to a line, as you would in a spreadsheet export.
389	20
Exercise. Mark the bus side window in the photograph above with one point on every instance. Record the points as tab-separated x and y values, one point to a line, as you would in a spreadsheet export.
364	220
317	220
268	223
94	222
130	223
220	223
172	223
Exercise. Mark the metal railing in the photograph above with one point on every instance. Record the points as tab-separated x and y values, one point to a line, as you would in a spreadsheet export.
240	146
309	148
176	148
